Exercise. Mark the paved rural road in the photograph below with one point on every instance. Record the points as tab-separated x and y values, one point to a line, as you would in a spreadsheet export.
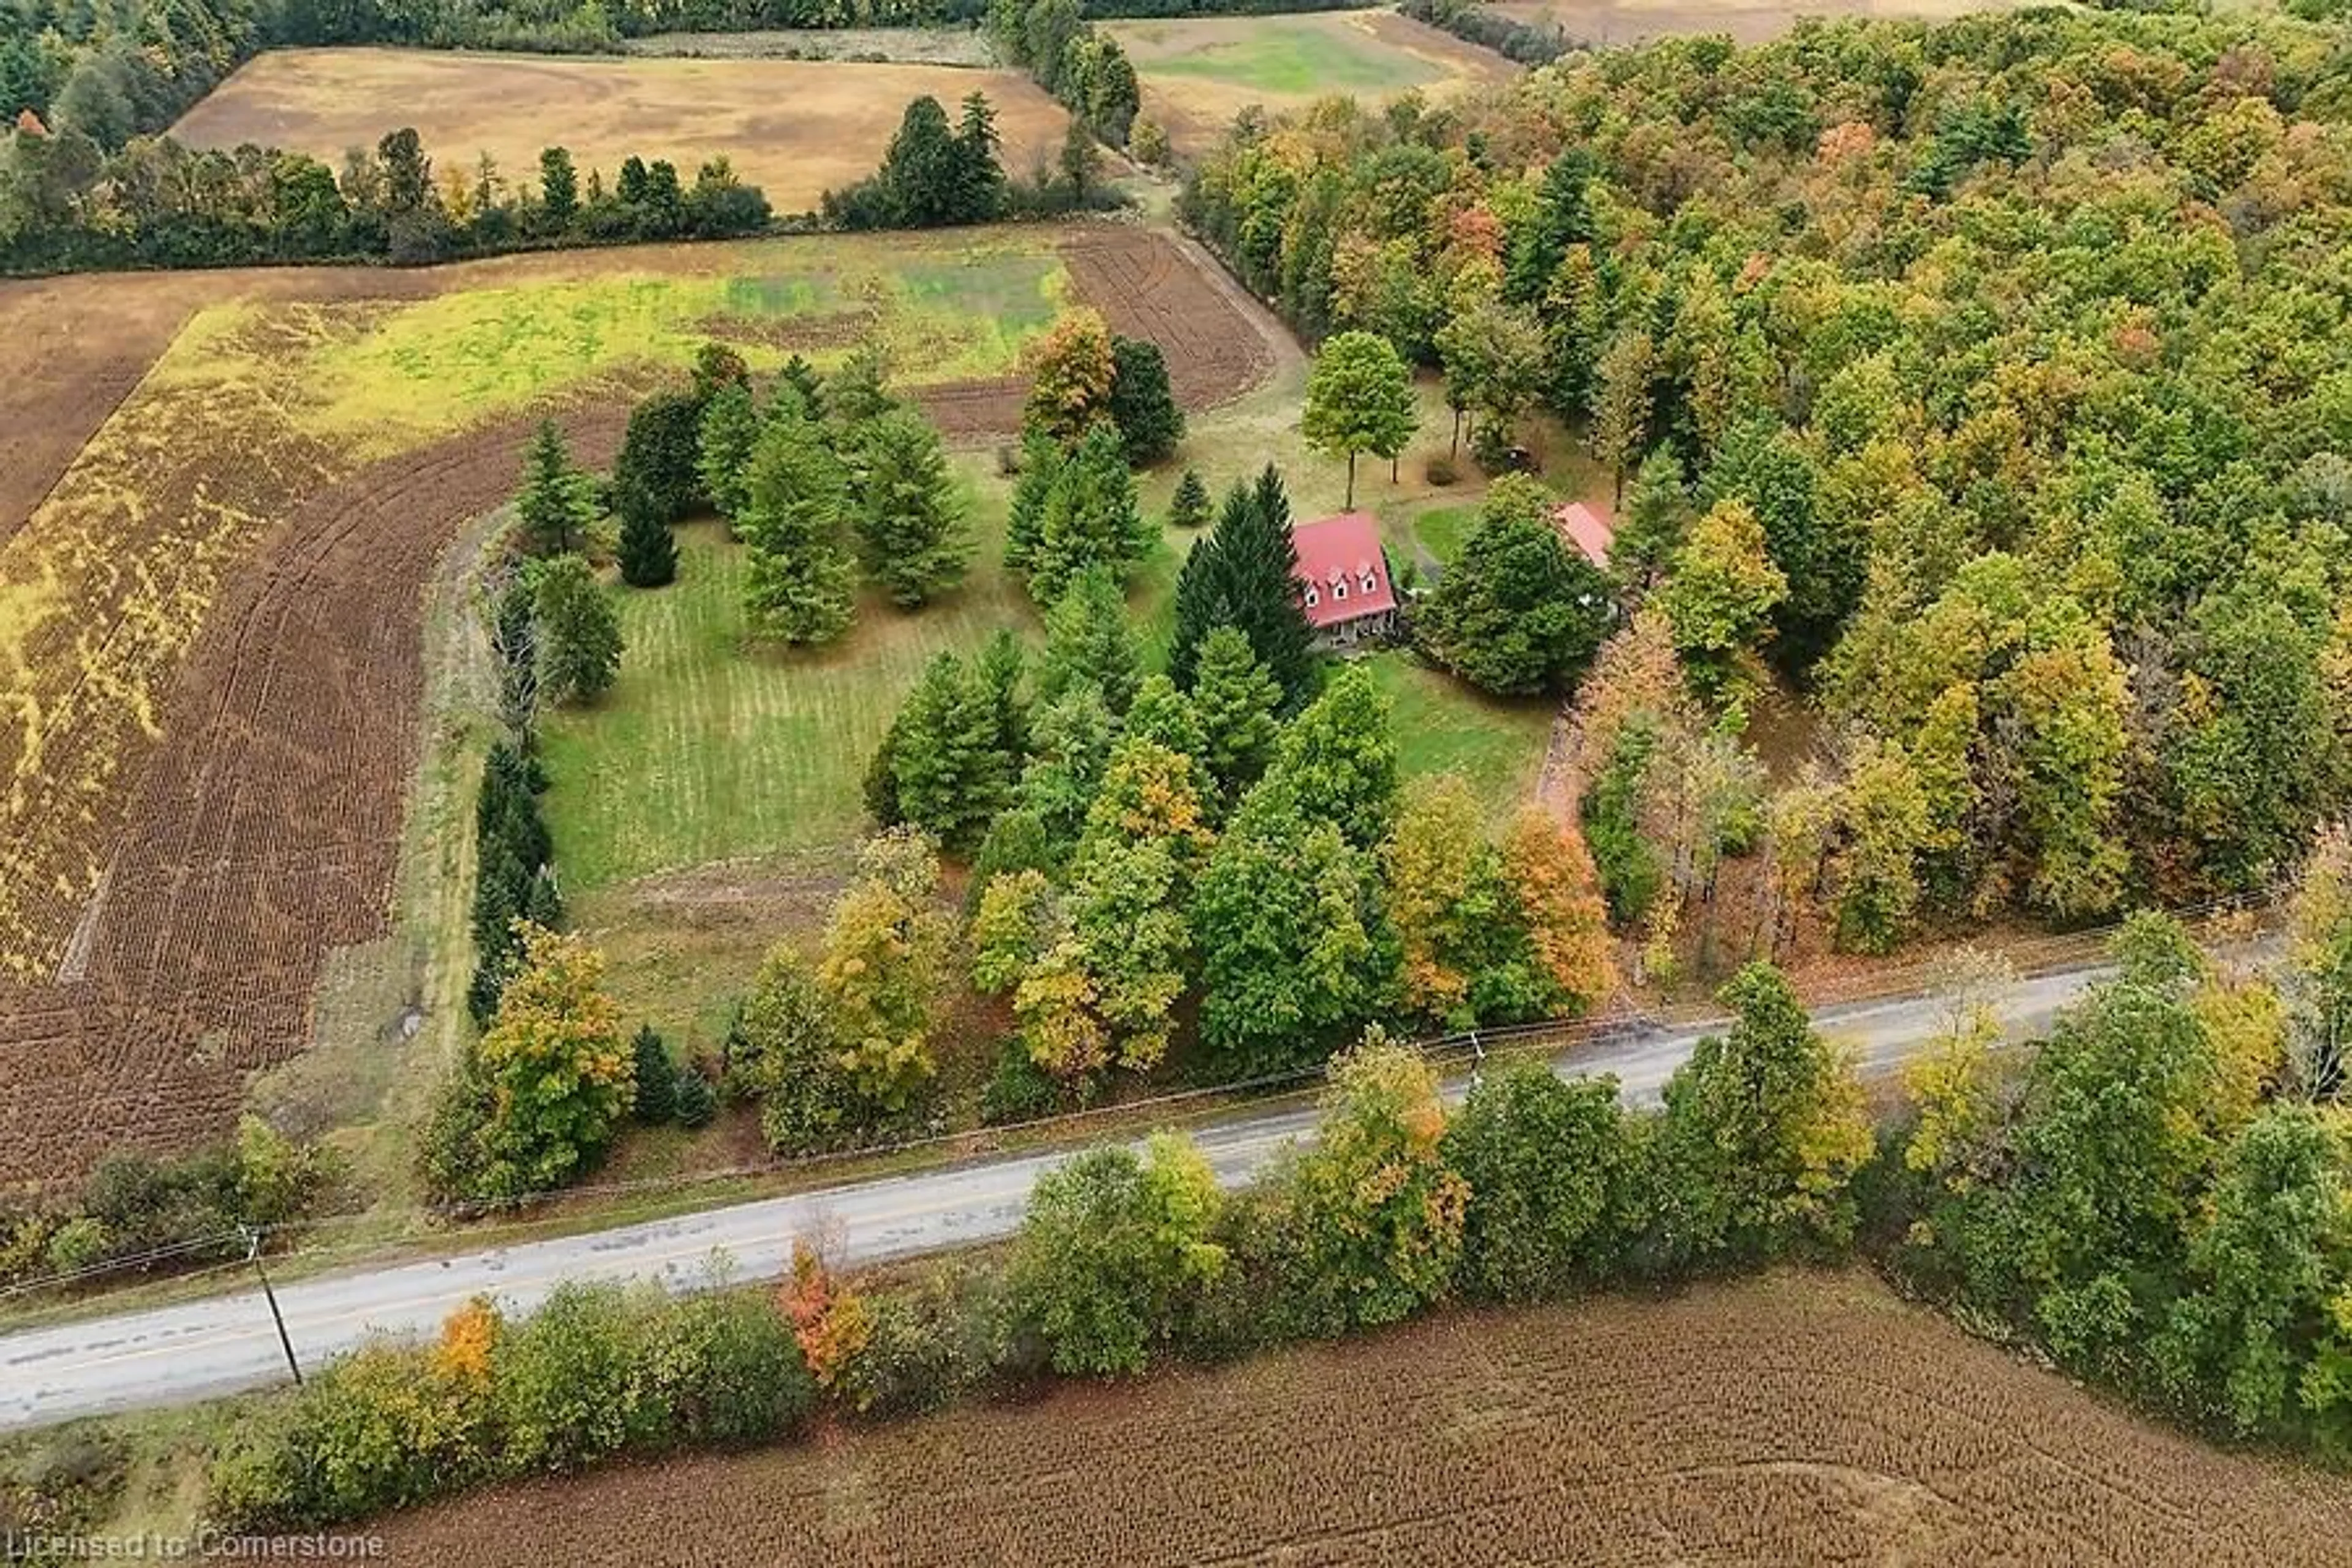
177	1354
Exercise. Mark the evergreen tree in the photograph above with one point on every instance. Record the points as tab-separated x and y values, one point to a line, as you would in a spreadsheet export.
657	1078
1244	574
1090	519
579	635
911	526
1042	462
558	501
1234	699
1089	641
801	379
1143	403
1652	523
1164	716
979	172
1563	216
947	773
799	584
559	187
648	550
1070	751
923	171
1002	663
693	1100
1191	507
729	433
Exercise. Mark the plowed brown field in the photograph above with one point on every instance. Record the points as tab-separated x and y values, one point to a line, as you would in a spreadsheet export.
1794	1419
210	666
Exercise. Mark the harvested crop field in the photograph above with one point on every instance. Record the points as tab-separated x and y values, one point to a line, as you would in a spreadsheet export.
211	669
1198	72
1793	1419
795	127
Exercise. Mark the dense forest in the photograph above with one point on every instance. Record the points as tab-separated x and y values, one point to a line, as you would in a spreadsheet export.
1989	384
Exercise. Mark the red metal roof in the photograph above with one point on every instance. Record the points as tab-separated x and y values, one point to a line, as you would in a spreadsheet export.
1587	529
1337	556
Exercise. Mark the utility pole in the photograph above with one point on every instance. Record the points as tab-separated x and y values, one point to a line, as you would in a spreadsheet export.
253	1256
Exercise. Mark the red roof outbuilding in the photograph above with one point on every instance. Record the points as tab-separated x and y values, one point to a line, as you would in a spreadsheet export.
1587	529
1342	574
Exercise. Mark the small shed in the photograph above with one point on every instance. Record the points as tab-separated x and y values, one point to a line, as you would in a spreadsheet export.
1343	579
1587	529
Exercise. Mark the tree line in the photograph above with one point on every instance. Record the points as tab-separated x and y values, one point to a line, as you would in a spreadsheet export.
933	175
1072	58
64	206
1918	414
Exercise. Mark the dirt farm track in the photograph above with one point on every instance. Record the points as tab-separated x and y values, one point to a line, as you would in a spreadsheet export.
166	916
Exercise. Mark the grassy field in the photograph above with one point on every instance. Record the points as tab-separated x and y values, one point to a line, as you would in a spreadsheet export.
942	311
1198	72
795	128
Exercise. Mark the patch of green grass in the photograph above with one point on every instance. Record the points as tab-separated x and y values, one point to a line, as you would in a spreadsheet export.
1300	58
1441	529
711	747
1444	726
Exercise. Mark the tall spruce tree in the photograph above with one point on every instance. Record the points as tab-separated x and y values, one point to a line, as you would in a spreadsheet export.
799	583
728	434
660	454
1090	519
949	775
1089	641
1244	574
558	501
1234	701
1143	403
910	527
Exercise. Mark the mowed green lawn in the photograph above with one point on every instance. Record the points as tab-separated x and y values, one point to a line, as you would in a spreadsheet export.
711	747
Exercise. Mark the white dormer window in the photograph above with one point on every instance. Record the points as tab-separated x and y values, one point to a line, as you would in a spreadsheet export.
1340	589
1313	598
1371	584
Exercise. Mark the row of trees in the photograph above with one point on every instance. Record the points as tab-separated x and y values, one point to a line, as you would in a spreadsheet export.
2154	1196
1537	1188
1072	58
1918	407
112	72
65	204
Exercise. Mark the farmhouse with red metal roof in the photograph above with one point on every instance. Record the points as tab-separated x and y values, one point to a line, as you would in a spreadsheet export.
1343	578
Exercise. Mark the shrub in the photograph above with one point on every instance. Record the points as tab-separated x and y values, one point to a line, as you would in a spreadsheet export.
1442	470
566	1392
725	1368
1018	1090
929	1343
696	1103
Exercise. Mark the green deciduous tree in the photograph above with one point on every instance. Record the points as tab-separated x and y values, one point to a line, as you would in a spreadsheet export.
1339	759
1358	399
1555	1174
1114	1250
1295	954
1763	1131
724	445
1517	612
949	773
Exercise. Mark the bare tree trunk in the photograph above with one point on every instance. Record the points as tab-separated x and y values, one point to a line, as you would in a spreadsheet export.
1351	478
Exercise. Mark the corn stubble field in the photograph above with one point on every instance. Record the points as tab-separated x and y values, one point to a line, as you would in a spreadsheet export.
214	557
1795	1418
